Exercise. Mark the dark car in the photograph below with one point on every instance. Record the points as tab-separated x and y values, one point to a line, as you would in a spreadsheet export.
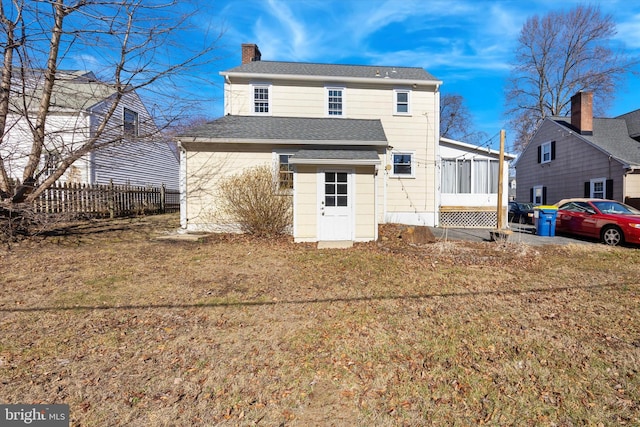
521	213
610	221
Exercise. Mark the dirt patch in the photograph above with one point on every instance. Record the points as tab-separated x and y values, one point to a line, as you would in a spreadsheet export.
230	330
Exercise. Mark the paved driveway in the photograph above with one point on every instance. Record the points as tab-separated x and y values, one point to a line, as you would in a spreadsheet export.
520	233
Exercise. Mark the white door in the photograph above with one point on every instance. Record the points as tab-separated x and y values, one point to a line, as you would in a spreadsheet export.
335	205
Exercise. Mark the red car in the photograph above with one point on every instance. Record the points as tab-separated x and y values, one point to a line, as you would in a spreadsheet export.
610	221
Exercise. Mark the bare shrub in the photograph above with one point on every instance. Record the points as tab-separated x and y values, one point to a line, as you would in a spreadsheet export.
253	200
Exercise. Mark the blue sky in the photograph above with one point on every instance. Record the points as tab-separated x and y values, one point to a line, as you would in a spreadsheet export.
467	44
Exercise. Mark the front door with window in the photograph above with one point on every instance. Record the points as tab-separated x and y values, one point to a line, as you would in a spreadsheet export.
335	205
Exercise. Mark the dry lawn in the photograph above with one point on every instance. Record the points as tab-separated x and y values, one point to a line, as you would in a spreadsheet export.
130	330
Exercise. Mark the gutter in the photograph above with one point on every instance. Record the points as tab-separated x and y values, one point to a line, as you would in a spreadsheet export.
297	77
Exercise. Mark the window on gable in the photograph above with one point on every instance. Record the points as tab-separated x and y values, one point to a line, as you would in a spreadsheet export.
401	101
403	164
130	122
285	172
547	152
261	99
335	101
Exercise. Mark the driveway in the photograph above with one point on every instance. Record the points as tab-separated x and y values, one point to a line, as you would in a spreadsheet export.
520	234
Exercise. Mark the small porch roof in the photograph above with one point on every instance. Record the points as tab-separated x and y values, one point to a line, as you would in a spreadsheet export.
336	157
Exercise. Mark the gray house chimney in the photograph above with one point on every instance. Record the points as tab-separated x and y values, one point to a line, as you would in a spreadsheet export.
582	112
250	53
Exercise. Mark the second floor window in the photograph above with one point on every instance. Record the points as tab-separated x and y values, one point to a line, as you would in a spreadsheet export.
547	152
261	99
335	101
401	102
130	122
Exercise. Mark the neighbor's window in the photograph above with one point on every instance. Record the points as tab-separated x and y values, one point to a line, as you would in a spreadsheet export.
598	189
401	101
285	172
130	122
261	99
538	195
50	163
546	152
403	164
335	101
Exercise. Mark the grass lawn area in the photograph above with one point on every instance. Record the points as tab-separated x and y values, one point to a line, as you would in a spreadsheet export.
230	330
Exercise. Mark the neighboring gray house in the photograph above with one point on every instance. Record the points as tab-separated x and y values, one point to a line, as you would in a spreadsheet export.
134	152
582	156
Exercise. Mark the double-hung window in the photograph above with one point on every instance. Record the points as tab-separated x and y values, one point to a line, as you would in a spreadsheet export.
285	172
401	99
403	164
130	122
547	152
335	101
261	98
598	189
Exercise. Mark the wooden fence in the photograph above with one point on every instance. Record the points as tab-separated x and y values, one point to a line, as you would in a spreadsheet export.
107	200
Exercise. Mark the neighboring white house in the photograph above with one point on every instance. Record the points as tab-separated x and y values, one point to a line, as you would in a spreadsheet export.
355	146
133	152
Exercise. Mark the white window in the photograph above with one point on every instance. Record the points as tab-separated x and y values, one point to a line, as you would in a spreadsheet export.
465	176
130	122
598	188
285	172
545	153
335	101
261	99
403	164
538	195
401	101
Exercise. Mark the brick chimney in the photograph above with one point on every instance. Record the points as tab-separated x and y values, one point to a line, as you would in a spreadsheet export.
250	53
582	112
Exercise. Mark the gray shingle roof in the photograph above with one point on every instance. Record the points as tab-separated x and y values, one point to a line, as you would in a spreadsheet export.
611	136
337	155
633	123
290	129
333	70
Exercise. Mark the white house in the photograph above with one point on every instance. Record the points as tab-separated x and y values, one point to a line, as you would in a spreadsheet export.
132	151
355	146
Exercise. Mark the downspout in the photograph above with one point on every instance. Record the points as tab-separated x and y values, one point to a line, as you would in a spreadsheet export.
182	184
436	156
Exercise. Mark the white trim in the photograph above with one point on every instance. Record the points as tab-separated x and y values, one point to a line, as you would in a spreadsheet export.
336	79
252	100
593	182
343	100
535	190
307	142
395	102
542	152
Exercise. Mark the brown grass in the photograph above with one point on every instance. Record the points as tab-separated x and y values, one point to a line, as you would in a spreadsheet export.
129	330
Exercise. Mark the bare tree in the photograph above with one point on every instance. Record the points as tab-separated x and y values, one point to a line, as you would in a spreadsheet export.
558	55
138	46
455	120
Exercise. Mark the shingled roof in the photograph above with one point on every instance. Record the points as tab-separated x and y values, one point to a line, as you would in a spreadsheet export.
283	129
300	69
611	136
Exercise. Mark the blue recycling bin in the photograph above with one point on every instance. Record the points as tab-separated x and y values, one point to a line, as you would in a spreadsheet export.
544	218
